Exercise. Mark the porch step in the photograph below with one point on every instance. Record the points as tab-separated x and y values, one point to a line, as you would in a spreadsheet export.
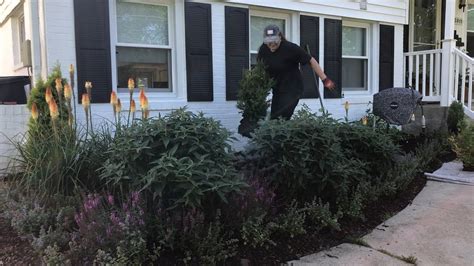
435	117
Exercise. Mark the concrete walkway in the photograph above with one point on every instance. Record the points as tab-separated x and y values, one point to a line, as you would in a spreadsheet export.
436	229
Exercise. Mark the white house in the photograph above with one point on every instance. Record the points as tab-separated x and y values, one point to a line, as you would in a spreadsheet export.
192	53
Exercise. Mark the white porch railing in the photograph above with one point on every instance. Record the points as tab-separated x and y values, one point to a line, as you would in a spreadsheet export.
463	72
423	73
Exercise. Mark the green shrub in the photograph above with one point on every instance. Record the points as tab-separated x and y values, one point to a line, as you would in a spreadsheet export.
180	159
37	96
308	158
215	246
398	178
291	222
429	151
53	256
374	148
30	219
319	216
464	147
255	86
256	232
455	118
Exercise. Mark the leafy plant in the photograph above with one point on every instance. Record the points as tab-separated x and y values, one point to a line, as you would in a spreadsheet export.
464	148
179	159
114	227
59	164
375	149
215	246
291	222
307	157
320	216
256	232
455	118
254	88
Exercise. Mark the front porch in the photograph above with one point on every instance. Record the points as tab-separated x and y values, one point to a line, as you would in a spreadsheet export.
436	61
424	72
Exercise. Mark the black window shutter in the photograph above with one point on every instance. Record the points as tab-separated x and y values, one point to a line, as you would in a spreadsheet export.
236	48
91	19
386	54
199	51
309	35
333	56
405	38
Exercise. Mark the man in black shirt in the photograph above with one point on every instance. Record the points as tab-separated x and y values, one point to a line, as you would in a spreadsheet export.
282	59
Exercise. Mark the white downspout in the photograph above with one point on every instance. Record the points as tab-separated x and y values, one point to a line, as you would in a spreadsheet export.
31	12
447	67
42	38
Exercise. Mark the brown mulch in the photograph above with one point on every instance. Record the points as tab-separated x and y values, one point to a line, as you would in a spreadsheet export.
15	250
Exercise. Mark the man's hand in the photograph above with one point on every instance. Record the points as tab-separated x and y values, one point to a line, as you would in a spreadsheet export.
328	83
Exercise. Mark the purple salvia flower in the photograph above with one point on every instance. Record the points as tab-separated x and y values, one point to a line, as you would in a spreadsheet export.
135	198
110	199
77	218
114	219
108	231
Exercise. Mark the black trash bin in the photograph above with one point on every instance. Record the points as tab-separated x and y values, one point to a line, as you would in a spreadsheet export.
12	89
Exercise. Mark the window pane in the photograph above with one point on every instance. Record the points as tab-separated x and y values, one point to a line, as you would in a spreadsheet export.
353	41
21	29
424	25
354	74
470	18
152	66
253	59
141	23
257	25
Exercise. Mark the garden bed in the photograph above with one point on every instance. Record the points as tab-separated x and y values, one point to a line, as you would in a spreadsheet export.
15	249
293	248
170	190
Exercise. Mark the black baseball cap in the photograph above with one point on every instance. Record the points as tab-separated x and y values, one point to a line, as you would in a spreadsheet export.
271	33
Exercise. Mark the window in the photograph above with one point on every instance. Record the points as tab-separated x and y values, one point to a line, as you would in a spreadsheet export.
470	30
355	59
19	36
143	46
21	29
258	21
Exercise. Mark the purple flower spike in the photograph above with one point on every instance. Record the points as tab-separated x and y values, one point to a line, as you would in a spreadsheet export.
110	199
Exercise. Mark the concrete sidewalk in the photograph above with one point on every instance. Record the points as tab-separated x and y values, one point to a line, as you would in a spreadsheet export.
437	229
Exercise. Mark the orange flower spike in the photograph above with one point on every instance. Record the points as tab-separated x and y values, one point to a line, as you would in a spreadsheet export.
88	85
48	95
144	103
53	110
142	94
85	101
133	107
59	85
131	84
113	98
118	106
67	92
365	120
346	106
34	111
71	69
